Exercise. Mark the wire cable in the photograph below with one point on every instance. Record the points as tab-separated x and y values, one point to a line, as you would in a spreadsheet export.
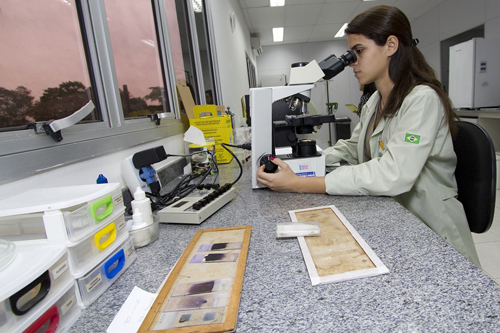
184	187
225	145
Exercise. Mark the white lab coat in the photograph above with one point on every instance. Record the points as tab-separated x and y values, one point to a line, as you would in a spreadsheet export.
420	175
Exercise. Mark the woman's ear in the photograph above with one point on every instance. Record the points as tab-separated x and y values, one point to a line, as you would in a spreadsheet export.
392	45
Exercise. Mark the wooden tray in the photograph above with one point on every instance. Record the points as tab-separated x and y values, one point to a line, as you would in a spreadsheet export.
202	293
340	253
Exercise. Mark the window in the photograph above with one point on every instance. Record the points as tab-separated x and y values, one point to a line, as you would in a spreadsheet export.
57	55
137	59
206	60
192	55
52	82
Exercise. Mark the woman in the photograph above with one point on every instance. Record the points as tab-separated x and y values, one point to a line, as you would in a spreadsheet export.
402	146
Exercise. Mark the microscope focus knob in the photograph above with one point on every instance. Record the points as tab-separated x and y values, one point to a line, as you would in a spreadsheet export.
270	167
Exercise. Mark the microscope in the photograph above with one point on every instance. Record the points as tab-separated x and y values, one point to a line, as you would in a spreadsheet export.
277	132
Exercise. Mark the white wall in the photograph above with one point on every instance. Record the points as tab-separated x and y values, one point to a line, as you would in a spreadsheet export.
450	18
231	48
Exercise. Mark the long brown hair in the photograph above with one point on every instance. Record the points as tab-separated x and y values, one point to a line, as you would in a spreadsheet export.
407	67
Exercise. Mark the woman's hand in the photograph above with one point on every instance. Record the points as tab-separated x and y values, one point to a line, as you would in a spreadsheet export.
285	180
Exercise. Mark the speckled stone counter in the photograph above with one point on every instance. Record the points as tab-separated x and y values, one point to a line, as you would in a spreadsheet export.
430	287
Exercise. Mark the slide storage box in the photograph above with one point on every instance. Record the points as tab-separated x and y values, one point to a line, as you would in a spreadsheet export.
93	284
59	214
62	313
36	276
90	251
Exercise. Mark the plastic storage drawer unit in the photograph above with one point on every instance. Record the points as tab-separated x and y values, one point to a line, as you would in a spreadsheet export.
59	214
89	252
22	227
61	314
37	273
92	285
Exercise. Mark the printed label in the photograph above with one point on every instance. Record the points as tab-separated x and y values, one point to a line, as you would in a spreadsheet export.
93	283
304	167
68	304
60	269
117	200
120	225
129	251
306	174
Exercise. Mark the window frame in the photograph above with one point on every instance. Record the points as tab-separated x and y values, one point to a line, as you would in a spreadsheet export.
25	153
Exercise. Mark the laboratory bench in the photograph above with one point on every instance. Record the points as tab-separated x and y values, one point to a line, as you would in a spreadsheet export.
488	118
430	287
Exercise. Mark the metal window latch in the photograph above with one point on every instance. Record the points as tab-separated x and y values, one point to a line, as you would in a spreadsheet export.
157	117
54	127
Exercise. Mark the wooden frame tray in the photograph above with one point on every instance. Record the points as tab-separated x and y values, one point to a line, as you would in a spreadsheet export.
202	293
340	253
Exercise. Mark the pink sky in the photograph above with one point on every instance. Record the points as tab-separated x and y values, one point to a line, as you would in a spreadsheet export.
41	44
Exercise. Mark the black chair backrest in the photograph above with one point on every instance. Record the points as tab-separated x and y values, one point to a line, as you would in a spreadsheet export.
475	174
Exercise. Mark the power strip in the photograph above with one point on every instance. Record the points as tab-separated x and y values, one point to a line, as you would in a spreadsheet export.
182	211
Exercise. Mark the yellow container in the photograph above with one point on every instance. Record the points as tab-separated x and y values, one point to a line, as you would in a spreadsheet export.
214	126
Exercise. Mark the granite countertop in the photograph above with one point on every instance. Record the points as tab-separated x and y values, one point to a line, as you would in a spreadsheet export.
476	112
430	287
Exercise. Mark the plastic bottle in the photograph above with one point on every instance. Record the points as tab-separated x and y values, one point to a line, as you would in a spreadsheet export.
143	204
139	229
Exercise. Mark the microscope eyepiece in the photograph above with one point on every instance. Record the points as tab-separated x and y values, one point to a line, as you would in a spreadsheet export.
332	65
348	57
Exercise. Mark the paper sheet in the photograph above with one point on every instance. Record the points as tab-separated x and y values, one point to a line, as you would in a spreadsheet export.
132	312
195	135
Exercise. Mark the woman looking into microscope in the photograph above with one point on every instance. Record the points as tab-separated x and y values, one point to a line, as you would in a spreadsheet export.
402	146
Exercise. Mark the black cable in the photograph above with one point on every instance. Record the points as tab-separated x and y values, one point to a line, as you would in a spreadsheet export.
184	188
225	145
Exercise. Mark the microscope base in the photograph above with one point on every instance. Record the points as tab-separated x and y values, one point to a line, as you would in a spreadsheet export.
306	166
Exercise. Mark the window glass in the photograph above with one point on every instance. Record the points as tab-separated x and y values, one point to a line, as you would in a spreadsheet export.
203	45
43	69
180	43
136	56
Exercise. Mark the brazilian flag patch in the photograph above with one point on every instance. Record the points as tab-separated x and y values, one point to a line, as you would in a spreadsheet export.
412	138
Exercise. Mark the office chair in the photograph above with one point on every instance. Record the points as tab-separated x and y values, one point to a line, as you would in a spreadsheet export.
475	174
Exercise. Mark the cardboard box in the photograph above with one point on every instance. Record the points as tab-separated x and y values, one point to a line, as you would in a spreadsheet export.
185	96
214	126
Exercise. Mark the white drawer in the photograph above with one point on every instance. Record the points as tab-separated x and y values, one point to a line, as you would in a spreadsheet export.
92	285
89	252
37	275
59	214
62	312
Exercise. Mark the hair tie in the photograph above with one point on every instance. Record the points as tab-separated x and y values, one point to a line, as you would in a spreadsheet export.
414	42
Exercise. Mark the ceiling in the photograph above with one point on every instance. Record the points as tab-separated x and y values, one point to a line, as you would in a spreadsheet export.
316	20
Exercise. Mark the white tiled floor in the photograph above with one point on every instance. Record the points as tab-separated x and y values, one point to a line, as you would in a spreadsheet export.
488	245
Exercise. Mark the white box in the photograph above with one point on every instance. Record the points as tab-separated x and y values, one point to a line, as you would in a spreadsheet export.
89	252
61	314
30	283
60	214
